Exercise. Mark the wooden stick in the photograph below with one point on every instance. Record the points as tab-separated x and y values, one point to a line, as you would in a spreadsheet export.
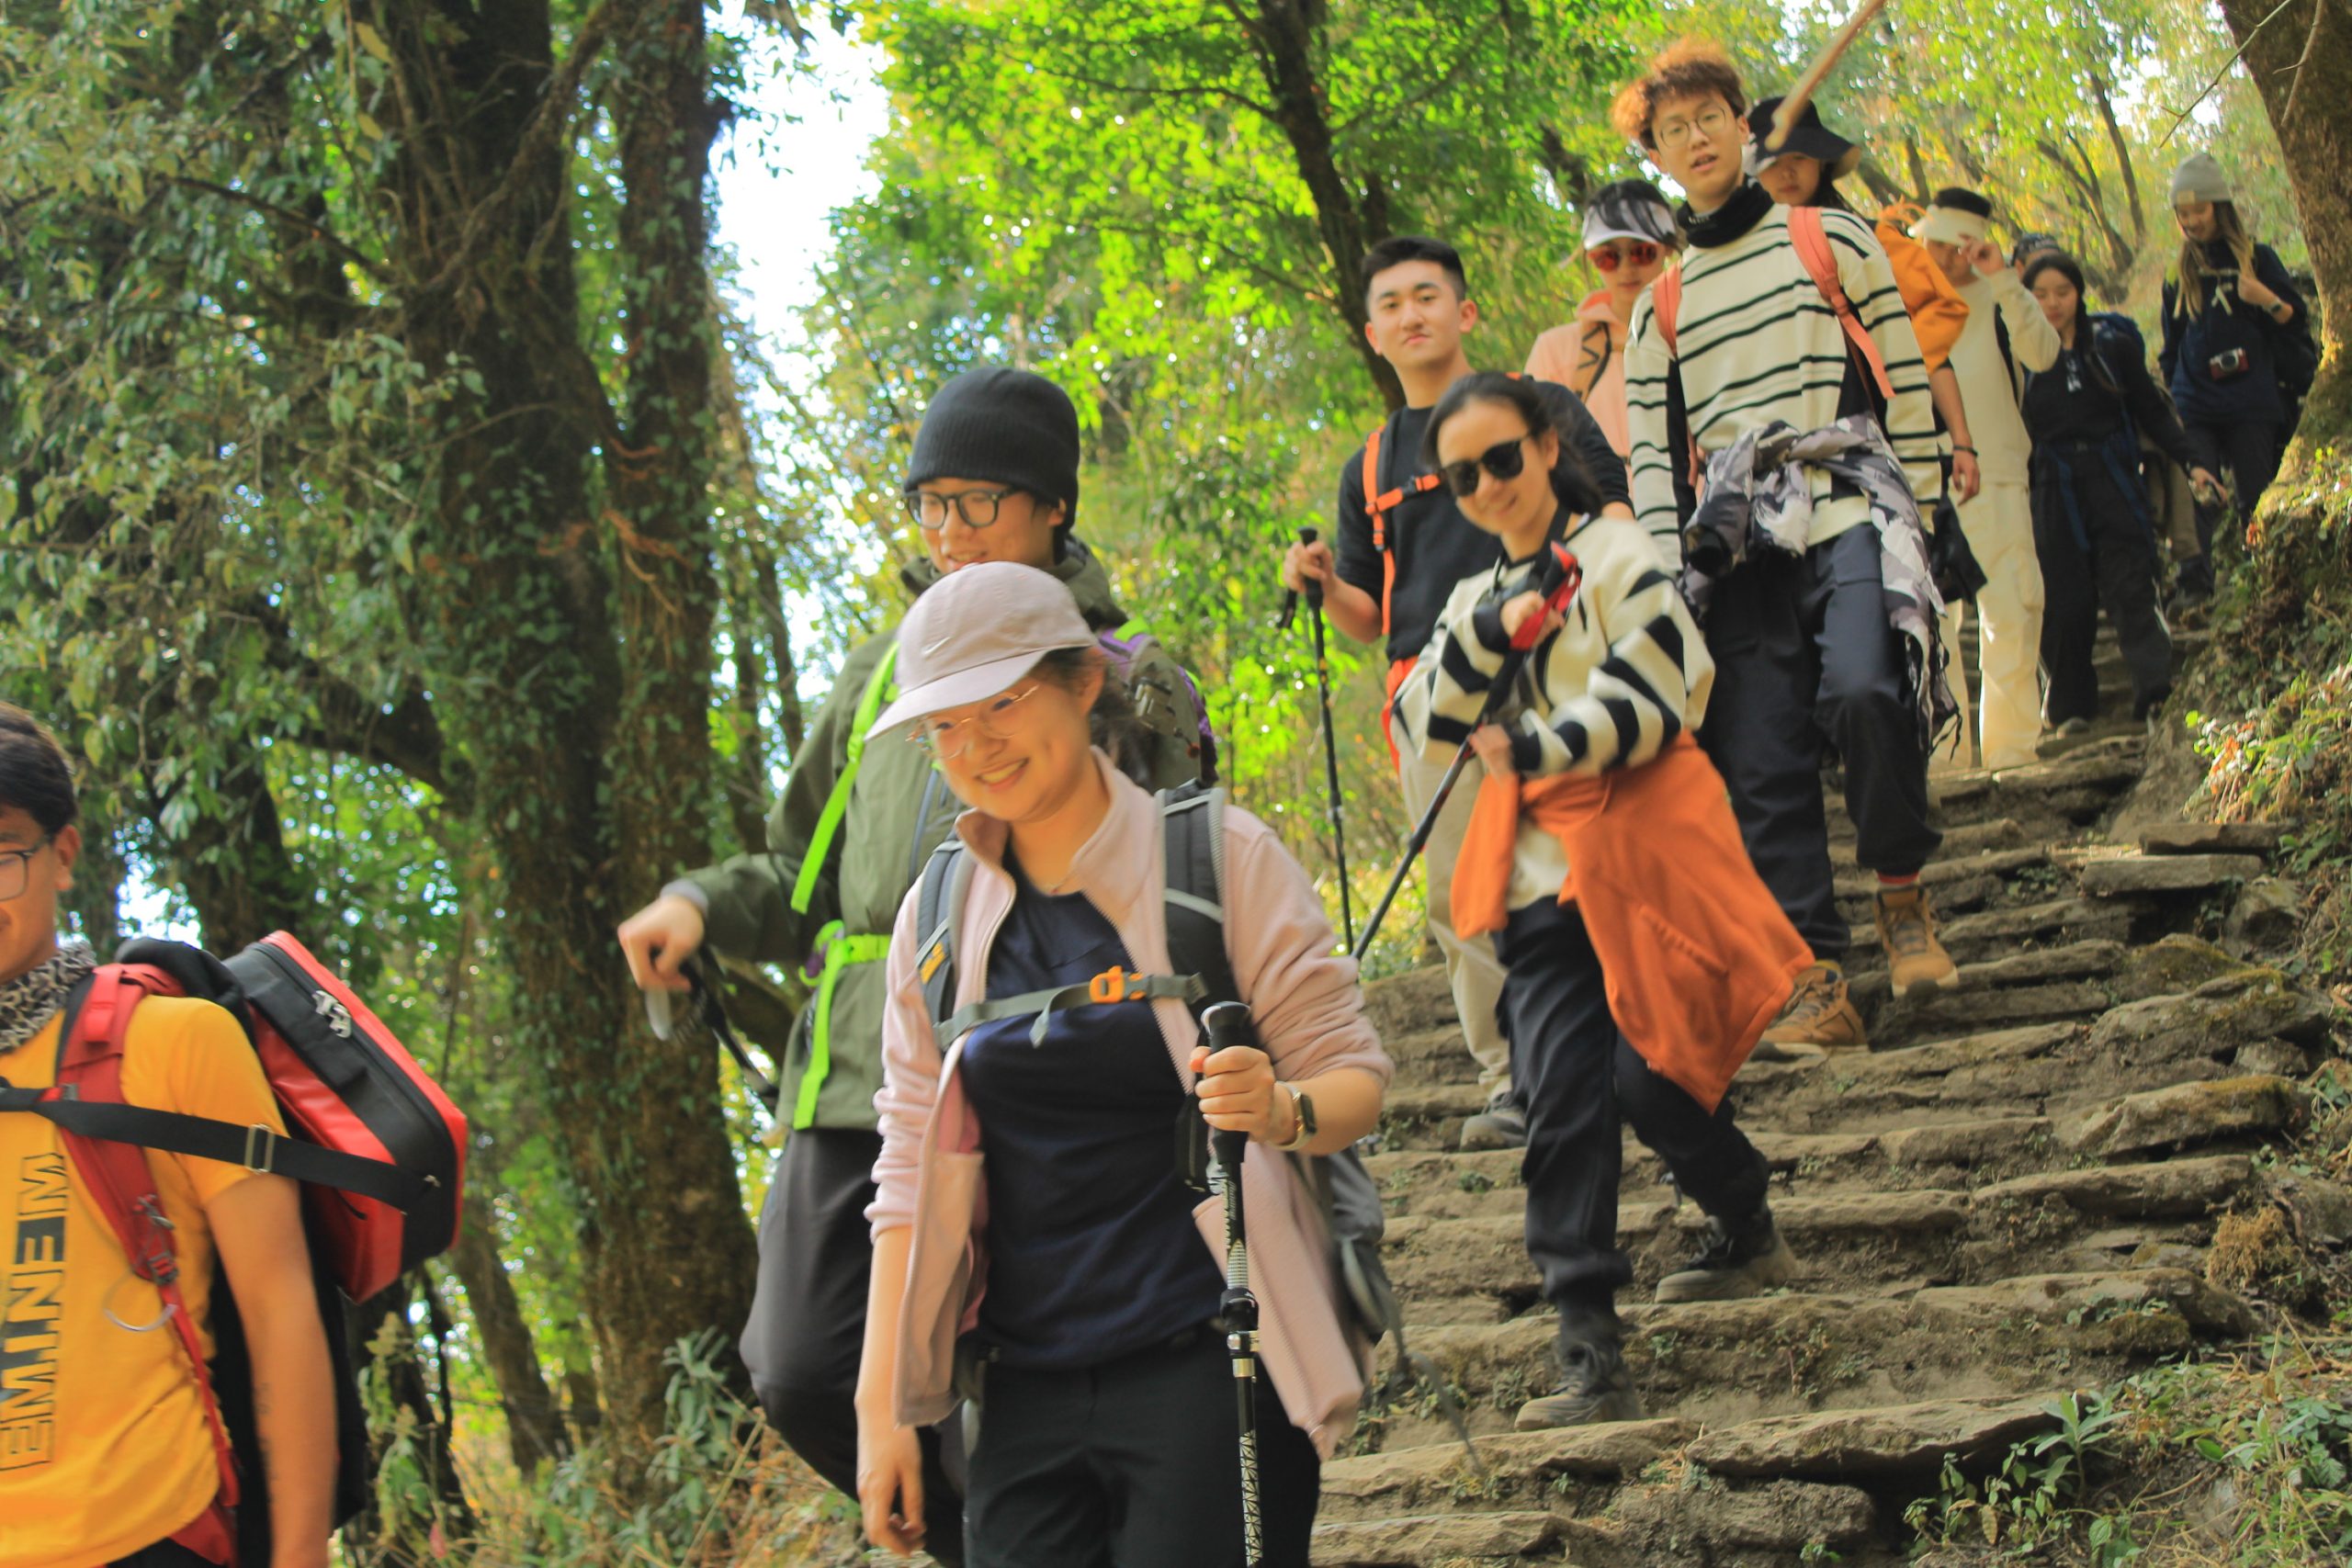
1784	121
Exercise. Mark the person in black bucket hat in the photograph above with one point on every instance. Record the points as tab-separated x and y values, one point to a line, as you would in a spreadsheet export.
1805	171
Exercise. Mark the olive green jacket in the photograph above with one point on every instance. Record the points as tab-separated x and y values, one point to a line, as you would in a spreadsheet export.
897	810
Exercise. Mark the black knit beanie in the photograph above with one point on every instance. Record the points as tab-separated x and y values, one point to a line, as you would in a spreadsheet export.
1007	427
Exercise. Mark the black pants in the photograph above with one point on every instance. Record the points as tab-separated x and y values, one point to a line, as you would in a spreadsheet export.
1576	1076
164	1554
2118	571
1134	1465
1804	654
807	1326
2247	450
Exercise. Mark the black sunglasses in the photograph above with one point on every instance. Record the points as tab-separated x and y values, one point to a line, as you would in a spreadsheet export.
1504	460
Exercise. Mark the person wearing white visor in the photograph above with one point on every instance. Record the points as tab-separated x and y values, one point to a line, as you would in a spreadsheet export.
2006	339
1630	236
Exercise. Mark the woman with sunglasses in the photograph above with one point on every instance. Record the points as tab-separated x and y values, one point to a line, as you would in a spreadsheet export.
1628	234
993	479
1029	1204
1644	957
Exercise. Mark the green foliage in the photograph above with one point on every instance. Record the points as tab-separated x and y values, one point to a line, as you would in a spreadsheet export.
2028	1503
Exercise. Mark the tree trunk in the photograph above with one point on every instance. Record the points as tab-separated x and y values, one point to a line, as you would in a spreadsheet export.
534	1433
2310	101
591	776
1286	35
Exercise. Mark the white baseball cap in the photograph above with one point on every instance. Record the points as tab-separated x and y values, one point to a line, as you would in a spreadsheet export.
976	632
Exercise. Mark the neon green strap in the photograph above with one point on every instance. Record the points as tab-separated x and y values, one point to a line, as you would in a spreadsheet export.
840	950
879	689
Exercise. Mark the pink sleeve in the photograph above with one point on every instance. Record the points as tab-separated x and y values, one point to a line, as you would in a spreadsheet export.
1303	995
910	1064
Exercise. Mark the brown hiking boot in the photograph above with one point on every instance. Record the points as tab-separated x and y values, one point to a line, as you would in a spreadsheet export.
1818	1018
1916	962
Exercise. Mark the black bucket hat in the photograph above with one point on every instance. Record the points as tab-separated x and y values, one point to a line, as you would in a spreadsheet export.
1808	136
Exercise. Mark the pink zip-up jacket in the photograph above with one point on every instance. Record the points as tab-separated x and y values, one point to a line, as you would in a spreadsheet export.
1309	1012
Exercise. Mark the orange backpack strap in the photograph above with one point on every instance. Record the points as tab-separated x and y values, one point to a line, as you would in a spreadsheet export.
1377	504
116	1178
1813	249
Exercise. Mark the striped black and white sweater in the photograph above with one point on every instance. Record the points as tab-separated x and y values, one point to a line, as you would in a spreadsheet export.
1625	674
1758	342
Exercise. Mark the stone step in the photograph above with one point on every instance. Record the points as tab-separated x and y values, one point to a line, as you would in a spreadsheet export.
1955	1155
1430	1539
2213	837
2130	875
1856	1238
1904	1443
2002	931
1960	840
1579	1471
1781	1355
2068	982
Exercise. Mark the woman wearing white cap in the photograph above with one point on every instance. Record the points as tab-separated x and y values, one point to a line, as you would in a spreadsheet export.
1629	233
1029	1210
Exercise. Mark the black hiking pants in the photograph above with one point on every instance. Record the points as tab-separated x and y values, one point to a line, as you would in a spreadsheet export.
2247	451
2118	570
1135	1463
1803	657
807	1331
1576	1076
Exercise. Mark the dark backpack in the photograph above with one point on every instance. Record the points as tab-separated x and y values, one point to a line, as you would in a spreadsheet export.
379	1147
1192	839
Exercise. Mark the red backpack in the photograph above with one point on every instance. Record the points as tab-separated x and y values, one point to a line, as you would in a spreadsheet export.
379	1149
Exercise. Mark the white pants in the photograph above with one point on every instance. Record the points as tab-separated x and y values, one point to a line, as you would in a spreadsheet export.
1472	969
2007	722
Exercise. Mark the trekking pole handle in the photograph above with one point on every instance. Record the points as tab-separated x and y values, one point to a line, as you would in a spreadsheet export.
1229	1024
1314	584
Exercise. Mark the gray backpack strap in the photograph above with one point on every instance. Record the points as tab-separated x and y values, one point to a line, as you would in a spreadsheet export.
1185	989
938	907
1192	818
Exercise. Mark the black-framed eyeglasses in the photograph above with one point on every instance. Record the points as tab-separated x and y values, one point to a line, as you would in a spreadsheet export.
16	867
977	508
1504	460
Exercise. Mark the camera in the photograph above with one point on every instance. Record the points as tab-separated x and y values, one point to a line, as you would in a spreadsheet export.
2229	365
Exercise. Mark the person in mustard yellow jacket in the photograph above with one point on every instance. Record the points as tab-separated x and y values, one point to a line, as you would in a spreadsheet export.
1644	957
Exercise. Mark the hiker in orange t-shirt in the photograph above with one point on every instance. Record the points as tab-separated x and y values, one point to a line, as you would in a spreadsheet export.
107	1455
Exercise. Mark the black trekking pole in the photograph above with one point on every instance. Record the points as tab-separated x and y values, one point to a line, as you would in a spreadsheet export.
1330	741
1229	1024
714	1018
1558	585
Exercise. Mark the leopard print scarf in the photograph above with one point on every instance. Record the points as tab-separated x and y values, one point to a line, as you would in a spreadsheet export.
26	1001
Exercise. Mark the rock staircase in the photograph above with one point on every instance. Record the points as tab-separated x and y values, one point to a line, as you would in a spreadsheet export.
2006	1200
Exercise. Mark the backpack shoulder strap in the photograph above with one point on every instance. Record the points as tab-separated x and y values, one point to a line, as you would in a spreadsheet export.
1378	503
939	904
1191	822
878	687
116	1177
1812	242
1666	304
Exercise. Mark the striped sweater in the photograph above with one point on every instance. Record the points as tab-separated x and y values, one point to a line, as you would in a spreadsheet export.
1626	673
1758	342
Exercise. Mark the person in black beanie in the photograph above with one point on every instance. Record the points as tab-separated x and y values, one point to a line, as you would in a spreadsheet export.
993	478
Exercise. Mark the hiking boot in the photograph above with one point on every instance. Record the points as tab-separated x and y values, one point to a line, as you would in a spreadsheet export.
1917	962
1817	1021
1594	1385
1745	1258
1502	1125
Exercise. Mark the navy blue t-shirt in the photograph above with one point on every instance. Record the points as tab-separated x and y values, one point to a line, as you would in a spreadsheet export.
1092	1252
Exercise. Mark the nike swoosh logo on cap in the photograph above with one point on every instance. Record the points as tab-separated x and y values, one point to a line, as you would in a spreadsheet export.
930	648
